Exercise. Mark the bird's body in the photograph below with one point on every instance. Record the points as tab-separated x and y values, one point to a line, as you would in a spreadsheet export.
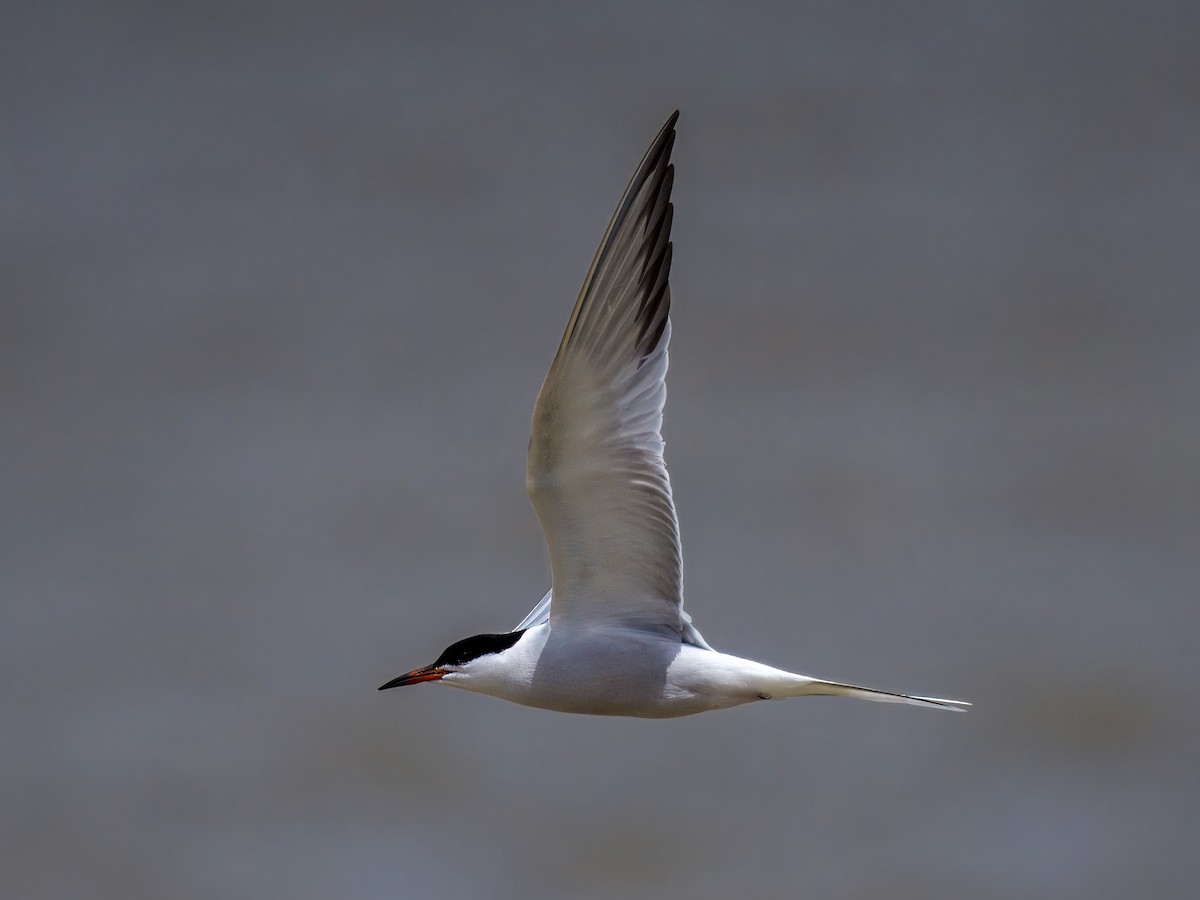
611	637
616	670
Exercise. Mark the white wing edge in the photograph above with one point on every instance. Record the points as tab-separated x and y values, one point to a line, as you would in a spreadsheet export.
539	615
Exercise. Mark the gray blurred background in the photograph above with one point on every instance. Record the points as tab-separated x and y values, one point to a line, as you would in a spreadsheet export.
279	286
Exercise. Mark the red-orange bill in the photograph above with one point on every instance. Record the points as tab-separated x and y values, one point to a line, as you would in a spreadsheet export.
416	676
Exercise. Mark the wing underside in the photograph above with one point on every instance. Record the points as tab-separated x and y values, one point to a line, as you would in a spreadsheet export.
596	473
540	615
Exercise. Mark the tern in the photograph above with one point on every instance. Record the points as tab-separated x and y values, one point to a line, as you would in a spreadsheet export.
611	636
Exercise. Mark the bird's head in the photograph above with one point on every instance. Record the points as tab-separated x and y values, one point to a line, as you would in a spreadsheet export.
457	658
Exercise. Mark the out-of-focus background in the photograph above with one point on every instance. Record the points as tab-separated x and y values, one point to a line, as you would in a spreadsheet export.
278	286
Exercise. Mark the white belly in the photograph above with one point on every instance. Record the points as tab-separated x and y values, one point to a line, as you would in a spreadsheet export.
616	671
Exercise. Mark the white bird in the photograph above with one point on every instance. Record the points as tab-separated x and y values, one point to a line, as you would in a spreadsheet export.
611	636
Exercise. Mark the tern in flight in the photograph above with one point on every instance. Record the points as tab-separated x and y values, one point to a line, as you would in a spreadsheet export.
611	637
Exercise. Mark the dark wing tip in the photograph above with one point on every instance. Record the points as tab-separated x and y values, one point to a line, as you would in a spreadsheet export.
659	152
644	209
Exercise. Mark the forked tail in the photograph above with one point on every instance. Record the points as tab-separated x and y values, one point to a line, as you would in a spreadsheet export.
836	689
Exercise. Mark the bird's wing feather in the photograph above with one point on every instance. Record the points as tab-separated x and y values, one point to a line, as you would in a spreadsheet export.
539	614
596	473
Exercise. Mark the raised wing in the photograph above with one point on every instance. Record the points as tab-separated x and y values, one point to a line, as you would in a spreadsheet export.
596	473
